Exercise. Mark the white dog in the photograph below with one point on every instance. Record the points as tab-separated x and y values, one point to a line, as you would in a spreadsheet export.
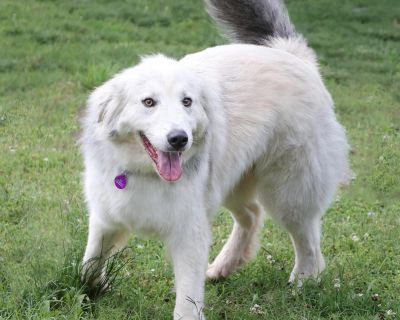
246	126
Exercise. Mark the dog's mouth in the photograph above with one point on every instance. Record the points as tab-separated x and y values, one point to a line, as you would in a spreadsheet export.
168	164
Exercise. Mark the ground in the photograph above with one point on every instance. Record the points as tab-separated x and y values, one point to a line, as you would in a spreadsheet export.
53	53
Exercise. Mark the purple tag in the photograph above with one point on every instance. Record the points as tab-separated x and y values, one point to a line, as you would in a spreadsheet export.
120	181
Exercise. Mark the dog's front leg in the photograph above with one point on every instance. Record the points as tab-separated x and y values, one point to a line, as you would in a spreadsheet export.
188	248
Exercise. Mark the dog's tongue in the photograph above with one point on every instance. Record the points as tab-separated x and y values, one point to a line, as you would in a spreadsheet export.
169	165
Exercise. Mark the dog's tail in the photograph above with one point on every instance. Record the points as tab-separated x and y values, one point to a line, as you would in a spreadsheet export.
260	22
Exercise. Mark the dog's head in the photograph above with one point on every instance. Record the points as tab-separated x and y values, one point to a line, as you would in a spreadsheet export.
157	110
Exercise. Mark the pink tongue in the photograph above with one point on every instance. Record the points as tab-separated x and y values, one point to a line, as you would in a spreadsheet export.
169	165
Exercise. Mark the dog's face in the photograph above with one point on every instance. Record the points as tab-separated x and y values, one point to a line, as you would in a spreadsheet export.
157	110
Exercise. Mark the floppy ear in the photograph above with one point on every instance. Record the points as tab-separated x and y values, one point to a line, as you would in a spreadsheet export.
104	107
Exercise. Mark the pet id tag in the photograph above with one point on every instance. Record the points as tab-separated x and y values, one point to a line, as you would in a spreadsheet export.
120	181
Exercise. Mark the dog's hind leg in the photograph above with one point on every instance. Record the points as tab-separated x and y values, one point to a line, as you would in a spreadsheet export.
296	202
242	244
103	241
306	242
305	233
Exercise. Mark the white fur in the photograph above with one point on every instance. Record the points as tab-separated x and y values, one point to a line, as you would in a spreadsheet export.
262	135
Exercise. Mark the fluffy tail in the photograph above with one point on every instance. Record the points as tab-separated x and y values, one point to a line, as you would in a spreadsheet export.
260	22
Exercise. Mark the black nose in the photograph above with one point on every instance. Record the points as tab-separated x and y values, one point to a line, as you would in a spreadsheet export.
177	139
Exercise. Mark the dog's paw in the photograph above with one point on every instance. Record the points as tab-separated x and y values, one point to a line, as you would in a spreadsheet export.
190	315
302	272
221	269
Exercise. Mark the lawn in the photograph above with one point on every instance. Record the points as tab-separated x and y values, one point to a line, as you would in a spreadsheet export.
53	53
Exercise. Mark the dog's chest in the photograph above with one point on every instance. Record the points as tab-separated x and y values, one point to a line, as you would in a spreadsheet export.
151	206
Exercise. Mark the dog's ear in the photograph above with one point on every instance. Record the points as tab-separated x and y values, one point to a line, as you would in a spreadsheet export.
104	106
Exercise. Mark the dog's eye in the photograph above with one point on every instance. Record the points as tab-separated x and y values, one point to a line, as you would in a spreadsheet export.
187	102
149	102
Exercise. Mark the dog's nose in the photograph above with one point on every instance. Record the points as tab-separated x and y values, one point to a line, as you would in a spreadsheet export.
177	139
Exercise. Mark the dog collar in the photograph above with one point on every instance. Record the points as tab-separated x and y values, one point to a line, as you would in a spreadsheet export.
121	180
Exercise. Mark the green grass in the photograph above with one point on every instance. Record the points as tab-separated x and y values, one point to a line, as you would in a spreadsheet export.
52	53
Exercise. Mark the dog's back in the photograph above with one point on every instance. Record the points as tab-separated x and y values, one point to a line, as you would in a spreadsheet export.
273	98
265	23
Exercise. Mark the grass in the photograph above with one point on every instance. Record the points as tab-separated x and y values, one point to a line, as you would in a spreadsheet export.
54	52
